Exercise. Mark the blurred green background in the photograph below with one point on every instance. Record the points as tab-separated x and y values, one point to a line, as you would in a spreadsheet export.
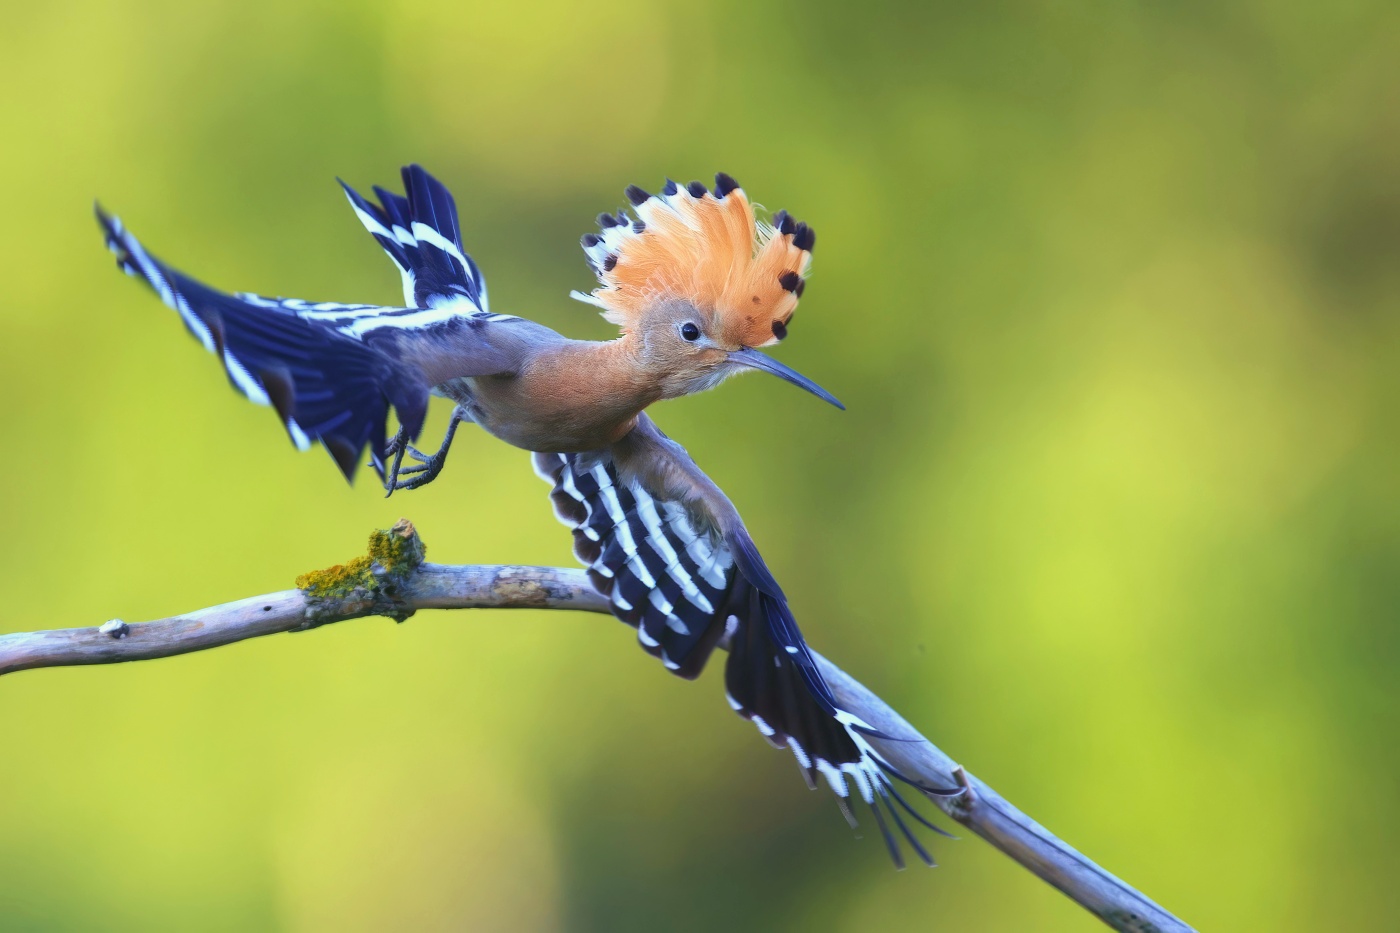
1111	291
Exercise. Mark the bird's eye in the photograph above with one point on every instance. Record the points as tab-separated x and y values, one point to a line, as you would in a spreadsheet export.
689	331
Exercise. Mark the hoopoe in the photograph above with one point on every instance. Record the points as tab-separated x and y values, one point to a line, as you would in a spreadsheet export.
697	283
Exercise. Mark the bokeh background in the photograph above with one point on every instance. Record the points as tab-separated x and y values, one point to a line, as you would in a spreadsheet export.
1111	291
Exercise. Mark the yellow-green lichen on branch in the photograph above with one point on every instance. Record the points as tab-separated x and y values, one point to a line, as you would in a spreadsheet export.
337	581
392	555
398	550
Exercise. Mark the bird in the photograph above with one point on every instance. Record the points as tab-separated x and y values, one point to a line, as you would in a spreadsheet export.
697	281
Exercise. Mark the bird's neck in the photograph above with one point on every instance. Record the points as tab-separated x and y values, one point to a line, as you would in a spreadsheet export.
611	378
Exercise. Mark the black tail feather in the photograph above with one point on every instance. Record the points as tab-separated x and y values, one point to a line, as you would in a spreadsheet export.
933	791
925	821
909	837
890	842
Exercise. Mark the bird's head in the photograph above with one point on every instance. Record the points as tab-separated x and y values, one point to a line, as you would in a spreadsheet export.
699	283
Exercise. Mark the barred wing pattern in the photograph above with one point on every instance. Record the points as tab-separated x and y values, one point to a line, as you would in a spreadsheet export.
366	322
423	238
662	577
679	584
334	370
325	386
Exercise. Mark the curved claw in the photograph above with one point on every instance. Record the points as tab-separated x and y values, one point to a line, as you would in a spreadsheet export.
428	466
395	447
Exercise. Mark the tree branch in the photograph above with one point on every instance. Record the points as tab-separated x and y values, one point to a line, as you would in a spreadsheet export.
393	580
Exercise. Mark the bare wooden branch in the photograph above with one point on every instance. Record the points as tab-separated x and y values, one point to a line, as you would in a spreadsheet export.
382	585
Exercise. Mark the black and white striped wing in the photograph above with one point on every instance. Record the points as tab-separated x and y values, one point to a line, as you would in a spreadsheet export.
664	577
332	370
421	234
682	585
373	323
324	385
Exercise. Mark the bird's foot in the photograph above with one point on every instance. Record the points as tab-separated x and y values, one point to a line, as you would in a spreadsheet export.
428	466
394	451
421	473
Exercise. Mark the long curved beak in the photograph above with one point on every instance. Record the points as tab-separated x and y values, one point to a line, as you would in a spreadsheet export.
747	356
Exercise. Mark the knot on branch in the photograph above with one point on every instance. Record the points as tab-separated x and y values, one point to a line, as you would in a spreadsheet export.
1130	921
960	802
372	584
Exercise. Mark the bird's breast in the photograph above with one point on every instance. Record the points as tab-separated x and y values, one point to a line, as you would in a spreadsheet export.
560	403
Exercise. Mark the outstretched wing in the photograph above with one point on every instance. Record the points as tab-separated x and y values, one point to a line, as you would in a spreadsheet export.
421	235
331	370
662	542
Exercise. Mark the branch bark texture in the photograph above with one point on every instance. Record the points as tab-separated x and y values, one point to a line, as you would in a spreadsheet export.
393	580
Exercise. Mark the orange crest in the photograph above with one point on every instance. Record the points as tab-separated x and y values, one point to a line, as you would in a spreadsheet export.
704	247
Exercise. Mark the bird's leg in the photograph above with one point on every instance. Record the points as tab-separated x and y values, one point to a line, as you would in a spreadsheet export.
395	448
428	466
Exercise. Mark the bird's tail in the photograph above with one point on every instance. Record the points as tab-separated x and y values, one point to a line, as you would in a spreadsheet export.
325	386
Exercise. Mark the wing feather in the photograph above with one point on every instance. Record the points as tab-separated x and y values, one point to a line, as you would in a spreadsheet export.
665	546
423	238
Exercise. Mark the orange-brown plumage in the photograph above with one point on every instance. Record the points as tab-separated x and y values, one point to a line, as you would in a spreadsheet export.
698	283
707	248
